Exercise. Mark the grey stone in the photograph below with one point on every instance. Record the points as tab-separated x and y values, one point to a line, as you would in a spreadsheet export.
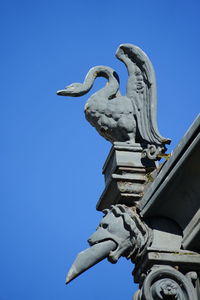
127	119
166	234
88	258
164	282
191	233
175	192
151	212
120	233
125	175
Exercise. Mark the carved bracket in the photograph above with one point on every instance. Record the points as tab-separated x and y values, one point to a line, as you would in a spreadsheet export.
165	282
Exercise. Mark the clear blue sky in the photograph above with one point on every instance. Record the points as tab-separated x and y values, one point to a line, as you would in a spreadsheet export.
51	158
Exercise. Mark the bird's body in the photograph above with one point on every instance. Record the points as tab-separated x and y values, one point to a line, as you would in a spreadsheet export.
114	118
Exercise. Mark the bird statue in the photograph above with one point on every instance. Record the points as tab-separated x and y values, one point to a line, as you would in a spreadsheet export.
128	119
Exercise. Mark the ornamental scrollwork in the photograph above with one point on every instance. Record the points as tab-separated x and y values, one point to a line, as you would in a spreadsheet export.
166	283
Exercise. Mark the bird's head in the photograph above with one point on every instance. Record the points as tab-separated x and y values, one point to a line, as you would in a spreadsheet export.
73	90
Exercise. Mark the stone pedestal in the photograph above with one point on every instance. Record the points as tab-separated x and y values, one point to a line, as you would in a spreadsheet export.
125	172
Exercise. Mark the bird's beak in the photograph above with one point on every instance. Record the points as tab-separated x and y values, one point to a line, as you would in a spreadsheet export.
61	92
90	257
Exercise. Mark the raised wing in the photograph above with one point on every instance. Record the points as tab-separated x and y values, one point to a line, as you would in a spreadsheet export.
141	89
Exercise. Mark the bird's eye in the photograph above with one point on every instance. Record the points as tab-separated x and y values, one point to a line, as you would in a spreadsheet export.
104	226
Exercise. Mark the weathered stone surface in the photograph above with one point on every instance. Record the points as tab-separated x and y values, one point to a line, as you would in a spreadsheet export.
125	175
165	282
175	192
181	259
166	234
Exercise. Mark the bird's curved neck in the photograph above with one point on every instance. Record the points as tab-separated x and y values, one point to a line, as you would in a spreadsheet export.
102	71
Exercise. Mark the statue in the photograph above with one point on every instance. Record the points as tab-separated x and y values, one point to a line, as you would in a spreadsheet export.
120	233
128	119
154	242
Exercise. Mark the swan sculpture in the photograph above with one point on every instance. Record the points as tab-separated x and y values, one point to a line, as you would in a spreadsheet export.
131	118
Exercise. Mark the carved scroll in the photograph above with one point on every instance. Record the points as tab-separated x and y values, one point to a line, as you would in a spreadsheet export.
165	282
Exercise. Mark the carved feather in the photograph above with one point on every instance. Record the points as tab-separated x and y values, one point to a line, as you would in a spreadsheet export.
141	89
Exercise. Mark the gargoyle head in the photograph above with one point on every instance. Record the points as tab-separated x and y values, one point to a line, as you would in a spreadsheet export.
123	226
120	233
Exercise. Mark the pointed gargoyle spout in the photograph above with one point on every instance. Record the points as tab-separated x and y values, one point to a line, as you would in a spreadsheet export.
90	257
121	232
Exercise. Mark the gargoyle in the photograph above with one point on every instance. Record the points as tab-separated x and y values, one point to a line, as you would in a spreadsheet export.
120	233
130	118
